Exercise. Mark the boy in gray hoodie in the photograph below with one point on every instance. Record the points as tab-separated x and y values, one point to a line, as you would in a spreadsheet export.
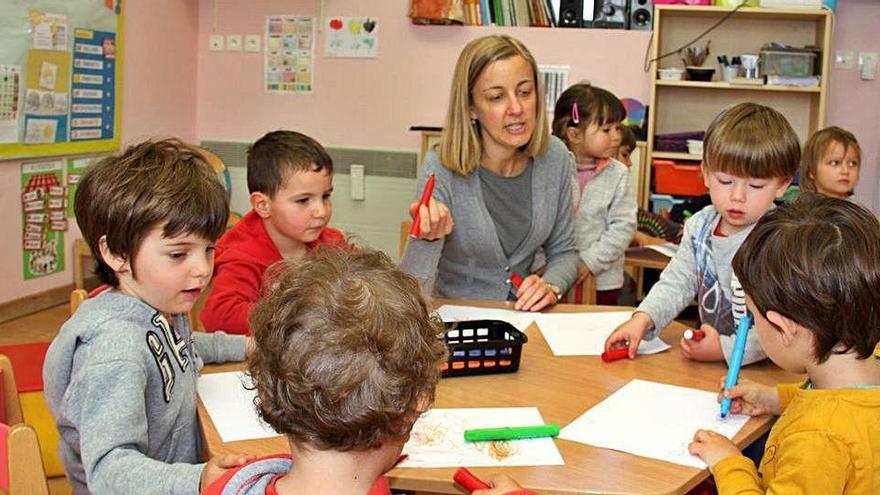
120	377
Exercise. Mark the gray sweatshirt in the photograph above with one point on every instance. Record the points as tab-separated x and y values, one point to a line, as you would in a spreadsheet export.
702	267
606	224
120	383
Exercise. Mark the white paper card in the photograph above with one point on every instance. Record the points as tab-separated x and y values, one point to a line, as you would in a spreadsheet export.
584	334
437	439
519	319
231	406
653	420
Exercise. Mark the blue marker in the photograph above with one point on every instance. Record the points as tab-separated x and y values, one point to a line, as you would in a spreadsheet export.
736	360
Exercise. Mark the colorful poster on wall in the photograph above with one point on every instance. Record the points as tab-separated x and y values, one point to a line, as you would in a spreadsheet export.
48	31
93	96
46	98
43	209
76	167
10	85
351	37
290	54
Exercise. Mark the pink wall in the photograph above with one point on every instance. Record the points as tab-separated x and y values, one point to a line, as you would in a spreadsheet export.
372	103
854	104
159	90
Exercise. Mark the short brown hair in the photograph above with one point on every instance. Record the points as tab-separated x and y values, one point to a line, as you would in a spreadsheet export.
345	350
627	137
595	106
154	182
751	140
816	146
816	261
278	154
460	145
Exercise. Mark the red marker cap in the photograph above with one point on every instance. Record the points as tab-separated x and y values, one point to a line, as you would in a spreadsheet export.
515	279
615	354
468	481
695	335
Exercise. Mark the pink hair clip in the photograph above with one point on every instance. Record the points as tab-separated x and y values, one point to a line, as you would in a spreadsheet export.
575	116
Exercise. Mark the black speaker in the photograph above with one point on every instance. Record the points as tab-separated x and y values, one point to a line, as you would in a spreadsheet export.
571	14
641	15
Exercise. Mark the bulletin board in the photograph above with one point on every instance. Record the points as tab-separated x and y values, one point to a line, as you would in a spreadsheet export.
60	77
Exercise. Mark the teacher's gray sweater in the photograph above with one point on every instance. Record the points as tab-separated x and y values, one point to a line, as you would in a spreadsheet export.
470	262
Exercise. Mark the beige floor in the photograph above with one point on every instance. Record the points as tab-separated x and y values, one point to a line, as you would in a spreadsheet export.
38	327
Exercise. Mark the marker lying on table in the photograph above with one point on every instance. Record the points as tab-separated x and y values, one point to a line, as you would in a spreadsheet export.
695	335
511	433
736	359
416	228
468	481
615	354
515	279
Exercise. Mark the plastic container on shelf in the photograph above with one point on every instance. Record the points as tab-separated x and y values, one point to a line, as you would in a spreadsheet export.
671	177
661	202
788	63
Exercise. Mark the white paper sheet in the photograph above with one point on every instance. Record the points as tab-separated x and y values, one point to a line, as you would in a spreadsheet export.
437	440
519	319
653	420
584	334
231	407
667	249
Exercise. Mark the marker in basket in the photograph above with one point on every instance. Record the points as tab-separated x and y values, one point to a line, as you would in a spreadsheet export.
515	279
468	481
695	335
511	433
736	359
416	228
615	354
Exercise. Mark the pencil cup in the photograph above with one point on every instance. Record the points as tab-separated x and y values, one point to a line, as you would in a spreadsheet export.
728	72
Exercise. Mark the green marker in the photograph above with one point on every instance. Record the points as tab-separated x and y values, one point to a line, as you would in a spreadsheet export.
511	433
686	214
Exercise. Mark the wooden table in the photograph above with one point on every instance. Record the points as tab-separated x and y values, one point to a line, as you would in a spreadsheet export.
562	388
643	257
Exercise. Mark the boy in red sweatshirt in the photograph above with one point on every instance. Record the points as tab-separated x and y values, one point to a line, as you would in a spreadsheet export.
290	178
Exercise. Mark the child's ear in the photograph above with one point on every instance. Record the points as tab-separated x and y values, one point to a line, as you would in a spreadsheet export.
116	263
783	187
260	203
788	328
574	135
704	174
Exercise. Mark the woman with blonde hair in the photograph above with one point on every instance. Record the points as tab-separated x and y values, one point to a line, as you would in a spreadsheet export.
505	181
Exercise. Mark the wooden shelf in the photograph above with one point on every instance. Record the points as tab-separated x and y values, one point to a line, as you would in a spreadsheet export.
745	12
671	155
737	87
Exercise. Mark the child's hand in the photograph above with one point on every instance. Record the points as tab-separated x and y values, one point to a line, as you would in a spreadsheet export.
500	484
534	295
218	465
630	333
583	273
435	220
712	447
751	398
708	349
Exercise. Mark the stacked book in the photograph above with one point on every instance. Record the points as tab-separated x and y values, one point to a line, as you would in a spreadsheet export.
535	13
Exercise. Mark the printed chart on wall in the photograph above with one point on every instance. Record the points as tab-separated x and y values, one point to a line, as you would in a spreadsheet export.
351	37
44	217
76	167
290	54
58	80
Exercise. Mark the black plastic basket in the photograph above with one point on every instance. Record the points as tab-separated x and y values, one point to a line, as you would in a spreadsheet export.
482	347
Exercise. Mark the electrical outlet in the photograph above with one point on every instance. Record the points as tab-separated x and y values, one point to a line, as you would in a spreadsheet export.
233	42
356	176
844	59
252	42
215	43
868	65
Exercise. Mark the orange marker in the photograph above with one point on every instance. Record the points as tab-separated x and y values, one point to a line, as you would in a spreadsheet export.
416	228
695	335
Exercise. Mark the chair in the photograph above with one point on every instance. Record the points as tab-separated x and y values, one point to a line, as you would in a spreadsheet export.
21	467
77	296
405	226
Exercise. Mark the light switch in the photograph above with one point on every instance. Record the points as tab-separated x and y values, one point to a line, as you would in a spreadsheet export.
215	43
868	65
233	42
844	59
252	42
356	175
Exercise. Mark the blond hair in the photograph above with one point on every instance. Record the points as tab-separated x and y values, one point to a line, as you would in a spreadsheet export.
751	140
460	146
816	146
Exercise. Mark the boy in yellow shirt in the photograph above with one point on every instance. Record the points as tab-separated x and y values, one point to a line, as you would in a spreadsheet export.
811	274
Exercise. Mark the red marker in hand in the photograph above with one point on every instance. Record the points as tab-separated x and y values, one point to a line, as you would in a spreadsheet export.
515	279
695	335
615	354
468	481
416	228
